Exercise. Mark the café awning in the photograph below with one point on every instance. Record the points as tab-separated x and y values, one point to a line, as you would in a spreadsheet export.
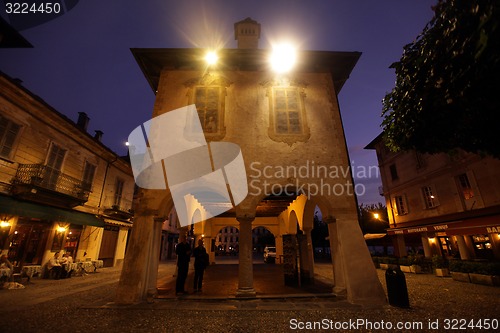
10	206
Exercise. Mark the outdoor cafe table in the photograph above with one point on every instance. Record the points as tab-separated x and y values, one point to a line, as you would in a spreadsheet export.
5	272
31	270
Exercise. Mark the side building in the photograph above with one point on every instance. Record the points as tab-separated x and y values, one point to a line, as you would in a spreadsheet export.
441	204
61	189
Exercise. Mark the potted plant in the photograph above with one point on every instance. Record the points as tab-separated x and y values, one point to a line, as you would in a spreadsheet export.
415	261
405	264
459	270
487	273
440	265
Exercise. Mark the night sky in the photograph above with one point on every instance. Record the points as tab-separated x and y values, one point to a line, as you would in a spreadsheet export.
81	61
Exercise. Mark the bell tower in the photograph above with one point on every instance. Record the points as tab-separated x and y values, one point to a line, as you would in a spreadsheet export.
247	33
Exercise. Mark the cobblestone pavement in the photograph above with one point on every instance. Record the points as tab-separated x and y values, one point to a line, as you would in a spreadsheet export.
84	304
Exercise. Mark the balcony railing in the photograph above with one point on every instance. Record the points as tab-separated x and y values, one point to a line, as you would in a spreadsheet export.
118	206
44	177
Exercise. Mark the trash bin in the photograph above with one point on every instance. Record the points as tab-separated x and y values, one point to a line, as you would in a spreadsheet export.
396	288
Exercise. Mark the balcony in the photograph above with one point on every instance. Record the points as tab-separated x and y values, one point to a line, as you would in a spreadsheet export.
118	207
40	183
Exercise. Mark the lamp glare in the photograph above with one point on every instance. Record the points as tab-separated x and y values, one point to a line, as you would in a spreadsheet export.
211	58
283	58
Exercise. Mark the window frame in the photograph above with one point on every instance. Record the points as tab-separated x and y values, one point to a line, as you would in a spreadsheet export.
211	81
91	182
3	137
429	197
467	192
289	138
401	202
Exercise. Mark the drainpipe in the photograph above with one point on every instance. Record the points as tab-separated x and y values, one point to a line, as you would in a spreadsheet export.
104	182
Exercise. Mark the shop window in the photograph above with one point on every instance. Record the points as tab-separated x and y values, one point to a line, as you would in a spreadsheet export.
429	196
8	135
72	239
465	187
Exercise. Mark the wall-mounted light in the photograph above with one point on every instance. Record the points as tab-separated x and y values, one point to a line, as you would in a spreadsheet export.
61	229
376	215
4	224
432	239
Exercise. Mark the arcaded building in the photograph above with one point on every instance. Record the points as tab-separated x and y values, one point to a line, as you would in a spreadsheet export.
289	129
441	204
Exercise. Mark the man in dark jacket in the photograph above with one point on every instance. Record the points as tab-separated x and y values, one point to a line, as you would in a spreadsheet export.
183	251
200	263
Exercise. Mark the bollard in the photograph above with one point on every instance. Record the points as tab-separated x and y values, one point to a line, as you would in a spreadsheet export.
396	288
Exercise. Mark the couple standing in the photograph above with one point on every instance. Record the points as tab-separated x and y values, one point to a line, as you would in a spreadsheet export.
201	261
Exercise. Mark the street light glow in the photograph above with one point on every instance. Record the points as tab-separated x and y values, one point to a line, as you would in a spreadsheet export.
283	57
211	58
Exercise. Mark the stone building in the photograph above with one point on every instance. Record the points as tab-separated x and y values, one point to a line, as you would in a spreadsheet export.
61	189
290	132
441	204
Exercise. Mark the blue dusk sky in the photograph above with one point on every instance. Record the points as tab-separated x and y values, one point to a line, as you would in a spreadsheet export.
81	61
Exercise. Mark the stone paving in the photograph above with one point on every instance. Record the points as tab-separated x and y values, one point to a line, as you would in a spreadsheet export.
84	304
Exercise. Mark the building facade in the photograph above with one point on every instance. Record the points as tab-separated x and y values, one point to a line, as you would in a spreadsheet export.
441	204
61	189
281	122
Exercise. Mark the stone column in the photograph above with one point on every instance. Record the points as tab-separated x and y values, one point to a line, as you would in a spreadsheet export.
400	246
309	256
463	248
134	279
360	277
339	287
426	245
245	267
278	241
152	264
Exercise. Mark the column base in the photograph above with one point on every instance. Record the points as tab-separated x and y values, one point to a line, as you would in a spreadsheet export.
246	292
339	291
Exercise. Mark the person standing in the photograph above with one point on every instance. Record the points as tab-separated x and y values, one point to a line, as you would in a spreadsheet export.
183	251
200	263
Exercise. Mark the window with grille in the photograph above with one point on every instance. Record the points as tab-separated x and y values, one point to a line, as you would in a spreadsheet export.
208	105
430	198
465	186
287	116
401	205
287	113
88	176
8	134
118	192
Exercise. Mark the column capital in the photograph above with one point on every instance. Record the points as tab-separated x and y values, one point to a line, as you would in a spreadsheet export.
329	219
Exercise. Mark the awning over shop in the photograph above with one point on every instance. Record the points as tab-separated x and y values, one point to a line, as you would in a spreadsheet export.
28	209
374	236
480	225
118	222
